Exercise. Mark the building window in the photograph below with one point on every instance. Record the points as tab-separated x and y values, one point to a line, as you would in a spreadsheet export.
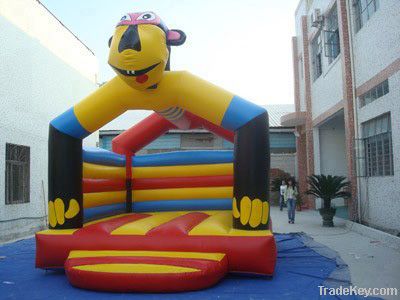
197	141
17	174
106	141
316	48
332	43
374	93
377	138
363	10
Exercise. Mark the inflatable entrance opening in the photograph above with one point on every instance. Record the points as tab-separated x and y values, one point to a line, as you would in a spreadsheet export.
165	222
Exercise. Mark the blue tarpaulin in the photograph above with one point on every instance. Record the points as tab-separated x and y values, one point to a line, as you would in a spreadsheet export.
302	266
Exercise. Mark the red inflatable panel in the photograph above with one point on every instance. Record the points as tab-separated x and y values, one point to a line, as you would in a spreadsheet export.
141	271
141	134
218	130
149	129
103	185
181	182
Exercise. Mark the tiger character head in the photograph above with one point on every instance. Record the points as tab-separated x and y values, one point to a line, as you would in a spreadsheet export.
140	49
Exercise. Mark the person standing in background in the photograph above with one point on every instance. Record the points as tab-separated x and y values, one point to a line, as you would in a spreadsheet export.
282	191
290	199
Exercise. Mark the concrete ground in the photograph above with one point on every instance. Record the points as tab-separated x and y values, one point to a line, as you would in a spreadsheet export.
371	263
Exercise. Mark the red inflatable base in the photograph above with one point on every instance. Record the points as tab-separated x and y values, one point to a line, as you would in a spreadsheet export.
204	233
144	271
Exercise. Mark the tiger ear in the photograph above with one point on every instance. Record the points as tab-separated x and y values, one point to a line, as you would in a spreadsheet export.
175	37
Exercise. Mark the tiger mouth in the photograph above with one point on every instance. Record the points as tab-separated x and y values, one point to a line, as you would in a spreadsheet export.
135	72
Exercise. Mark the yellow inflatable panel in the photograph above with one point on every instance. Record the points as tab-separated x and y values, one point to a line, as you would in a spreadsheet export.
172	254
217	98
95	171
135	268
57	231
220	224
142	226
98	109
183	193
177	88
182	171
103	198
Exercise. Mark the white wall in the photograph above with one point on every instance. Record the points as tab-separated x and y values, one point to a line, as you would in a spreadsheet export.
284	161
35	86
301	10
317	150
330	151
32	18
326	90
377	44
381	195
332	147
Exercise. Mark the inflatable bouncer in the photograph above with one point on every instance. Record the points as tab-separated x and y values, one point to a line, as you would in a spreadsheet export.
167	222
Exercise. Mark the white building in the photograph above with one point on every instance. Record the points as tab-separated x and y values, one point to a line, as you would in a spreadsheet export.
346	58
44	69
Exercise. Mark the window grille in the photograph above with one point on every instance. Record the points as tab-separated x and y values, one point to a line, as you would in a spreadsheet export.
331	38
374	93
363	11
17	185
377	137
316	47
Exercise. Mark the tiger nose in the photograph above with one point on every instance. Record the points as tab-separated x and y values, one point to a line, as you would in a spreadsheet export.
130	39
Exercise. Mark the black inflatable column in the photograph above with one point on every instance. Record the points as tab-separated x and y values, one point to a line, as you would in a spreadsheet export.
251	175
65	180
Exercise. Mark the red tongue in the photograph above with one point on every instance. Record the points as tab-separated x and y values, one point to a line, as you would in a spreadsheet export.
142	78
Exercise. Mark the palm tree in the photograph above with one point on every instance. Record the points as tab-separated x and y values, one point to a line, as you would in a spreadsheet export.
328	188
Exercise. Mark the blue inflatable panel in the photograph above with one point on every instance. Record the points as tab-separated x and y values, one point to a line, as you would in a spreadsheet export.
239	112
103	157
103	211
69	124
178	205
183	158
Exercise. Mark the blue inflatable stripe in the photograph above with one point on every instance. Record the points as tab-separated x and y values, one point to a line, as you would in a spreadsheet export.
178	205
239	112
68	123
102	211
103	157
183	158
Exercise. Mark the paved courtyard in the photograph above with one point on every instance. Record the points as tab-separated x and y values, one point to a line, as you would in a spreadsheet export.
372	263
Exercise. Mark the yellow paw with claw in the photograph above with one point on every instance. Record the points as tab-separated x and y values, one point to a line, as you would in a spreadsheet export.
253	212
57	213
